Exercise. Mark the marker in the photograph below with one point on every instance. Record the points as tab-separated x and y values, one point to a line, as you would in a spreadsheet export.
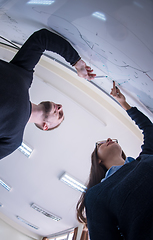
101	76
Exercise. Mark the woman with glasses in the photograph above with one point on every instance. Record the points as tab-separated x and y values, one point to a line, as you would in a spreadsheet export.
118	202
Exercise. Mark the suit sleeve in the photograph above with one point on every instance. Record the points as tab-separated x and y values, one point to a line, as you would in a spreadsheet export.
31	51
144	124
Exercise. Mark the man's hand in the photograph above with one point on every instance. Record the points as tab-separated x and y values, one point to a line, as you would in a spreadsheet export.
115	92
84	71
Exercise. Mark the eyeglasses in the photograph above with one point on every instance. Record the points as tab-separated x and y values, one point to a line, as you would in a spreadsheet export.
104	141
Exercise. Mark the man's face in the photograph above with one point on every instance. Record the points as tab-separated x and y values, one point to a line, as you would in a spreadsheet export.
53	115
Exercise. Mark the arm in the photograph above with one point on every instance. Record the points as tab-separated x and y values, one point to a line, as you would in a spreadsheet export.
31	51
7	147
140	119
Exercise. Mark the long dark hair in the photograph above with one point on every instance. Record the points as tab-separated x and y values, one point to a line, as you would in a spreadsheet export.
97	172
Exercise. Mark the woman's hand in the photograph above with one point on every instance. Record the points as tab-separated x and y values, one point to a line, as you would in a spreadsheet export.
84	71
115	92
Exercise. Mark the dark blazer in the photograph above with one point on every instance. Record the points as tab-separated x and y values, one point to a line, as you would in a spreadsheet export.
121	207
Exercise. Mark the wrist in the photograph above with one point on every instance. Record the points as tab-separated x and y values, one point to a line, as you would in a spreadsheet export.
125	105
76	63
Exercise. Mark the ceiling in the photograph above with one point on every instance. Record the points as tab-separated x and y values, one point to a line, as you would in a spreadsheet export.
118	47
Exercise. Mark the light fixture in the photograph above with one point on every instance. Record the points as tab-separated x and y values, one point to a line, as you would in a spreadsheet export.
27	223
46	213
41	2
99	15
25	149
72	182
8	188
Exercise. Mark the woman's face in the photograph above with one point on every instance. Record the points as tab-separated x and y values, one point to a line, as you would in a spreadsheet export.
108	149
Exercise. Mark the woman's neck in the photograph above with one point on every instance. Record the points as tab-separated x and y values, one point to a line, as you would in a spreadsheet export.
115	161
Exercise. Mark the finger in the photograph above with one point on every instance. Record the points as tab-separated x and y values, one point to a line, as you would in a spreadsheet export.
91	74
91	77
113	90
88	68
114	84
118	90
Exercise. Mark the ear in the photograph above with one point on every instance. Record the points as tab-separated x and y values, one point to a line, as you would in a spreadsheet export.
45	126
99	161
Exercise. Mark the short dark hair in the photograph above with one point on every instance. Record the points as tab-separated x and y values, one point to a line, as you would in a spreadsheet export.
47	107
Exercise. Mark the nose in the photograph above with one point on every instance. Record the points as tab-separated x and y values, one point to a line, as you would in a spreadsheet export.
59	107
109	140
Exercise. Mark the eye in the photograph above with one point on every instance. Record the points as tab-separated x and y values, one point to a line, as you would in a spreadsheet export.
101	142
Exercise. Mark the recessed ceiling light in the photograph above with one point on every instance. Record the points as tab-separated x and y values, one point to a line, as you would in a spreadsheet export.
99	15
41	2
46	213
25	149
8	188
69	180
27	223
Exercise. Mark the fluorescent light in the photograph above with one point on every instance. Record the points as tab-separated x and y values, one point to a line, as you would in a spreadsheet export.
41	2
27	223
72	182
8	188
46	213
99	15
25	149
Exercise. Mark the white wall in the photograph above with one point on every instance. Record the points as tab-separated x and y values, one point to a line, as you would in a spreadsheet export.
11	230
8	232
